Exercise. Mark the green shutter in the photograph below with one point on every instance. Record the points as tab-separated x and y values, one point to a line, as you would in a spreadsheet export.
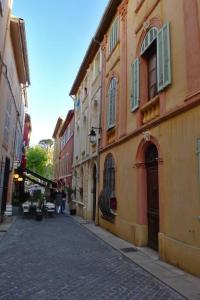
163	57
114	35
111	104
135	85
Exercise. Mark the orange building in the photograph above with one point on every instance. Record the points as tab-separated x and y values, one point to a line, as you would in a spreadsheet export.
150	147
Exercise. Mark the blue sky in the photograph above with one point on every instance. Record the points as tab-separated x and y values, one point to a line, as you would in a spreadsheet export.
58	36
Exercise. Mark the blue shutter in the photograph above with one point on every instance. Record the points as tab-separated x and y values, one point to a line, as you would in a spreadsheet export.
163	57
135	84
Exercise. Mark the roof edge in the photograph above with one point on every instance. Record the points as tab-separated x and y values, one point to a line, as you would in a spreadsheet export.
94	45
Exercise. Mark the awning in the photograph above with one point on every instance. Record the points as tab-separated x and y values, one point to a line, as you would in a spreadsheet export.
48	181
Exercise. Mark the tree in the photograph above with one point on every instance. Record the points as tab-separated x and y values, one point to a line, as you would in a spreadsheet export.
37	158
46	143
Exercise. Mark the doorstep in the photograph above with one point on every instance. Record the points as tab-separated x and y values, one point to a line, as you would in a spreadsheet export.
177	279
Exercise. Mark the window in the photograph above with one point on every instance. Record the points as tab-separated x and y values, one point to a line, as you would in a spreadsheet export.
151	56
112	94
155	50
114	34
7	123
107	199
96	66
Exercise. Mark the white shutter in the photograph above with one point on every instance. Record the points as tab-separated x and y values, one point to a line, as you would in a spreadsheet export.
163	57
135	85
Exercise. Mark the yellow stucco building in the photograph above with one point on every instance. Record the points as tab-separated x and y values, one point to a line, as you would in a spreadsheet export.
148	161
150	151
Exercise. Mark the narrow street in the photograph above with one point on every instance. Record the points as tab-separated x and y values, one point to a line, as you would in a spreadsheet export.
59	259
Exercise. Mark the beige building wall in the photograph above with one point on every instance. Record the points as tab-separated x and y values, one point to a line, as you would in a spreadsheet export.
87	115
13	97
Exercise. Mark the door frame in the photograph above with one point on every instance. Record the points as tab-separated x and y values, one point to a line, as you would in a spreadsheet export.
94	191
5	186
152	199
141	180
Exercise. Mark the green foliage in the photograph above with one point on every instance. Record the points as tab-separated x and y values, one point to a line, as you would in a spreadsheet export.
37	159
46	143
49	171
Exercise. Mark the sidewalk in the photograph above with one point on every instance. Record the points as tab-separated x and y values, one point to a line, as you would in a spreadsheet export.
4	227
184	283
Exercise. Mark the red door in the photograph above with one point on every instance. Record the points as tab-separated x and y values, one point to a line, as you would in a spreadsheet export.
151	156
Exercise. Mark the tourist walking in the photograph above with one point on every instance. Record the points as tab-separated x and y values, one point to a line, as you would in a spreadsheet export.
63	205
58	201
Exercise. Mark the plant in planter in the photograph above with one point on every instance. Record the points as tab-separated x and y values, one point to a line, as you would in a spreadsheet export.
71	204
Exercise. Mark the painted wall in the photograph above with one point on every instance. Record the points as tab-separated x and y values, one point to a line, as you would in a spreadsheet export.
66	156
87	115
175	131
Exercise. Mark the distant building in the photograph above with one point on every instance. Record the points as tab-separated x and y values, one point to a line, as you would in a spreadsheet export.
56	152
63	150
14	80
26	138
66	150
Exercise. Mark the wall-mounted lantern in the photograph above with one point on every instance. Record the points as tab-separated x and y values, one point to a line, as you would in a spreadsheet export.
93	135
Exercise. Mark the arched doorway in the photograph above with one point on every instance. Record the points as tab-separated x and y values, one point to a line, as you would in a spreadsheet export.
94	179
151	163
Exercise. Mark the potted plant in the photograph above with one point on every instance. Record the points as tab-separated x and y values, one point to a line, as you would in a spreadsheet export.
71	204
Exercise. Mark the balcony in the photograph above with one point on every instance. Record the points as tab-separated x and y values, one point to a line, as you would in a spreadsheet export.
150	110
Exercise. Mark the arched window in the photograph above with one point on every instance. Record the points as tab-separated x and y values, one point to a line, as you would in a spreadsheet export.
107	199
149	38
112	95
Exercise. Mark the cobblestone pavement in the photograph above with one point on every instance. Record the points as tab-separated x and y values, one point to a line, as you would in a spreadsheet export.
59	259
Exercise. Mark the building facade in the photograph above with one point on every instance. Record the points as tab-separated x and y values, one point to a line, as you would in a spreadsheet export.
86	91
56	150
14	80
149	152
26	138
150	100
66	136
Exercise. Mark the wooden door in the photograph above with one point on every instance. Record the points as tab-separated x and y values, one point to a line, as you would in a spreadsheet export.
94	192
5	185
152	196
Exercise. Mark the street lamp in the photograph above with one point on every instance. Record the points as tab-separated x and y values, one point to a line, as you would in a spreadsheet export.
93	135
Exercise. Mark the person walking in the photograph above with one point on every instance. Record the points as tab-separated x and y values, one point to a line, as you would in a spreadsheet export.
63	201
58	201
